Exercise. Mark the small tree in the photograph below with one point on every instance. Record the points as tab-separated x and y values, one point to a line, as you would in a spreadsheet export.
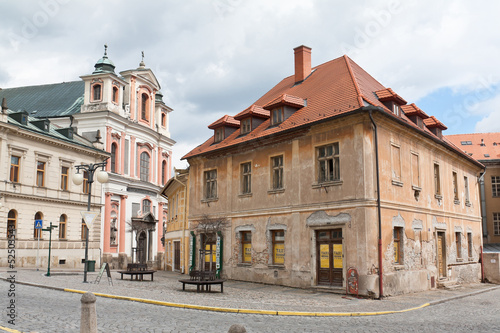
207	228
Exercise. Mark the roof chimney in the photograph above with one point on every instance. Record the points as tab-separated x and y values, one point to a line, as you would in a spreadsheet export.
302	63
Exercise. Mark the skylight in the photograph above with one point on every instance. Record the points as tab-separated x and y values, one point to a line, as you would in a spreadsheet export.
466	143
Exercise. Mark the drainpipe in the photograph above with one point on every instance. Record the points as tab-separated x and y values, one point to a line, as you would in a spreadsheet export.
483	206
380	275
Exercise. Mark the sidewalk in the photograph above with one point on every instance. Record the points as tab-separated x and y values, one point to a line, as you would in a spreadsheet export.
237	294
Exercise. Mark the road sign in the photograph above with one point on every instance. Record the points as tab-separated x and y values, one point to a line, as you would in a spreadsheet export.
38	224
89	217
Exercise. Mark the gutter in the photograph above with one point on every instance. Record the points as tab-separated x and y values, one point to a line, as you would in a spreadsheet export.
380	263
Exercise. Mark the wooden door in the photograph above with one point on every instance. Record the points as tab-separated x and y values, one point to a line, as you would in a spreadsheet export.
142	248
329	254
441	253
177	256
210	256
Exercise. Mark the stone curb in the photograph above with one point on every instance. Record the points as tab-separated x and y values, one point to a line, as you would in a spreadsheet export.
261	312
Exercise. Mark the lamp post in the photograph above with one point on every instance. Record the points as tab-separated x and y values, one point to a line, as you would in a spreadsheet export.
102	177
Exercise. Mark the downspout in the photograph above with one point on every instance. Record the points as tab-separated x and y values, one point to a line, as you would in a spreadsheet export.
380	273
483	206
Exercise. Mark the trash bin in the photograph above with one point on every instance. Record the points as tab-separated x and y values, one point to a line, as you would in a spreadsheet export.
90	265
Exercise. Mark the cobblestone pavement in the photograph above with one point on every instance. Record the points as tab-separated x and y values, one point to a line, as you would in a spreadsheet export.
45	310
237	294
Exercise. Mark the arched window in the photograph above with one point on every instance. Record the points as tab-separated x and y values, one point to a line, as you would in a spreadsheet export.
115	94
62	226
11	223
113	157
144	170
37	232
163	120
163	172
144	107
96	92
146	206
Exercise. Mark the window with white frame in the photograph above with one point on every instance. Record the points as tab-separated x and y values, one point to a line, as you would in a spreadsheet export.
144	166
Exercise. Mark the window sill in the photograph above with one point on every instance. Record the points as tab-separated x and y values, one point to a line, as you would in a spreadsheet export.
244	264
398	267
275	266
470	259
245	195
209	200
276	191
416	188
62	239
326	184
468	204
460	259
397	183
456	202
438	196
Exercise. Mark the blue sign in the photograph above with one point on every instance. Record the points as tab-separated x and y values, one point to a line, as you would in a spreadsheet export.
38	224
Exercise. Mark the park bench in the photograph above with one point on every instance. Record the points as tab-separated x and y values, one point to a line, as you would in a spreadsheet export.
203	280
139	270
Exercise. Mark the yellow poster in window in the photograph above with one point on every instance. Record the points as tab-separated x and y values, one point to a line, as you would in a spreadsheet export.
337	255
207	252
324	256
279	254
247	252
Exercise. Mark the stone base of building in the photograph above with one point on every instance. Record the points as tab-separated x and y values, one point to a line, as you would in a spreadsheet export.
116	262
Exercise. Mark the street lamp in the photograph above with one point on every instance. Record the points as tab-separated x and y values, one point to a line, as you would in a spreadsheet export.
102	177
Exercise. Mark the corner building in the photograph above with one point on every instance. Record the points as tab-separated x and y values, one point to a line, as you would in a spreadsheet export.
331	171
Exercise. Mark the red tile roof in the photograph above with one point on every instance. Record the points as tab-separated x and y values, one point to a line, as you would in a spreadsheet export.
389	95
413	110
334	88
224	121
254	110
285	99
433	122
481	146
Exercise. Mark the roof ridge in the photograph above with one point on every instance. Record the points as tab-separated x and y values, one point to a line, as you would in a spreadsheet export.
41	85
354	81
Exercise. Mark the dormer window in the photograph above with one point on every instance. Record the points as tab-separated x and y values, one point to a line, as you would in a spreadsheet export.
246	125
396	109
115	94
97	92
219	134
277	116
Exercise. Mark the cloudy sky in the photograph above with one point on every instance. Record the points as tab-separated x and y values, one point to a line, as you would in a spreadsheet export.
217	57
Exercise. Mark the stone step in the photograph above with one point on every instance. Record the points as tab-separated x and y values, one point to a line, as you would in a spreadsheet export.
448	284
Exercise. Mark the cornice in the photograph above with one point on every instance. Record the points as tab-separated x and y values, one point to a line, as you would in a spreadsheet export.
46	199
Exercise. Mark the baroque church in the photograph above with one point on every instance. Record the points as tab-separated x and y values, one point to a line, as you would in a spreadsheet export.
125	114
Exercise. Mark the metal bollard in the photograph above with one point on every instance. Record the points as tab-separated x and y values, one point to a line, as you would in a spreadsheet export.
88	321
237	328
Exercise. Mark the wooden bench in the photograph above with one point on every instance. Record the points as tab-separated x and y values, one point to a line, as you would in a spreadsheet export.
139	270
203	280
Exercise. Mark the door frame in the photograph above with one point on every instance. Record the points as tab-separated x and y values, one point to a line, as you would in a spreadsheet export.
441	233
314	255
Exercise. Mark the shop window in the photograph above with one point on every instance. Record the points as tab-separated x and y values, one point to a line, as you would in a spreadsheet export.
328	163
278	238
246	246
62	226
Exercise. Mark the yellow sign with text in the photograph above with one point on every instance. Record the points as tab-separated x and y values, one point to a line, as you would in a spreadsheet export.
247	252
337	256
279	254
324	256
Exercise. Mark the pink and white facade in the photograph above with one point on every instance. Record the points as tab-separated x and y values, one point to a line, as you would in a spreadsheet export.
128	114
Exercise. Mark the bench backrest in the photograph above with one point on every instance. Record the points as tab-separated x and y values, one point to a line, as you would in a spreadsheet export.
137	267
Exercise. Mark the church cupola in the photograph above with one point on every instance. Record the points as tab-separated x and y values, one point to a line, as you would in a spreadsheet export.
104	65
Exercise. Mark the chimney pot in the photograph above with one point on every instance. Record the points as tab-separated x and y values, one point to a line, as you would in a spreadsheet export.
302	63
